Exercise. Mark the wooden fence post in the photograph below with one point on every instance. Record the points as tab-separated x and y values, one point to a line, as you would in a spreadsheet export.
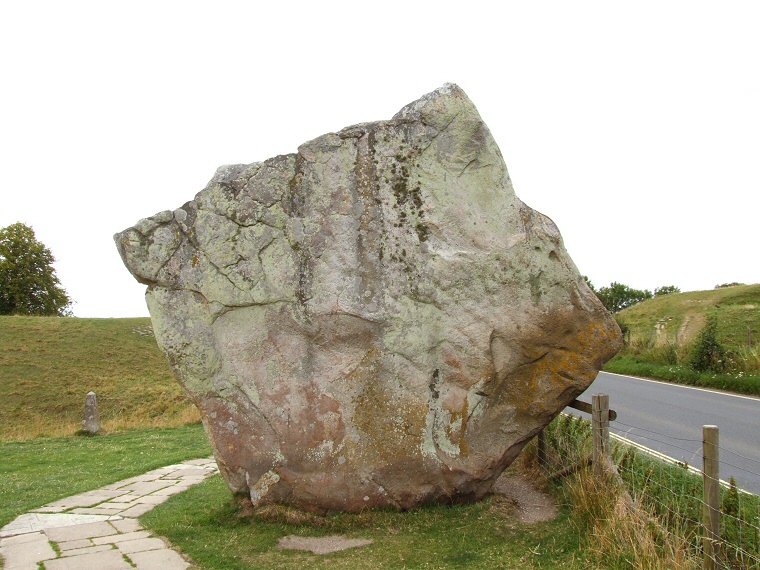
600	428
542	449
711	497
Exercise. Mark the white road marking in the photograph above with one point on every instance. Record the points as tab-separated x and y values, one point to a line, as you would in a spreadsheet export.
754	398
661	456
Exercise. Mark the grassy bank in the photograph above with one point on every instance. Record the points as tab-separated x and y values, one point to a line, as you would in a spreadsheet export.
662	335
47	366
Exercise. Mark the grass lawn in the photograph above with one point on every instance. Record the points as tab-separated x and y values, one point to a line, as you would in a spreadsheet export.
38	471
207	525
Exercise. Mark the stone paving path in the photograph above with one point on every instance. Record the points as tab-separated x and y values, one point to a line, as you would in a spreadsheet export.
99	530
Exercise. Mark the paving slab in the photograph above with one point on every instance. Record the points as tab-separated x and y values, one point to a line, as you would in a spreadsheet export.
192	472
178	488
88	550
125	498
127	525
141	545
121	537
149	476
153	499
168	469
78	532
85	499
146	487
137	510
97	530
164	559
22	538
47	509
109	560
32	522
74	544
193	479
29	552
97	511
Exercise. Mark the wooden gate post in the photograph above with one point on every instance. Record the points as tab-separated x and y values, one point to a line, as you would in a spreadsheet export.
711	497
600	428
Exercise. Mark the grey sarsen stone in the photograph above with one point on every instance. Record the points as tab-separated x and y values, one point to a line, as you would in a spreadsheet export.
91	420
376	320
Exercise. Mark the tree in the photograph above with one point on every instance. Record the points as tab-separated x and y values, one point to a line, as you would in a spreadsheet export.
732	284
666	290
28	283
618	296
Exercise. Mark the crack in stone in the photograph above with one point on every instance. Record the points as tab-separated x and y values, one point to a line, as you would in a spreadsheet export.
256	408
386	493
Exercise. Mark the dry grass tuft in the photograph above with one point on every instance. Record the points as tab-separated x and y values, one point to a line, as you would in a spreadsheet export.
502	506
621	533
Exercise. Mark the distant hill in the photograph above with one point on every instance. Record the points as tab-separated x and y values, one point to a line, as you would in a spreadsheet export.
48	364
678	317
661	333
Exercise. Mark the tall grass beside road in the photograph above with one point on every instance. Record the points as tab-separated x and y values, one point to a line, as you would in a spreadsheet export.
739	382
650	516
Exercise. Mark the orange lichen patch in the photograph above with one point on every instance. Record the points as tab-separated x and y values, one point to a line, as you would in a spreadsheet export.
392	426
574	357
455	408
457	428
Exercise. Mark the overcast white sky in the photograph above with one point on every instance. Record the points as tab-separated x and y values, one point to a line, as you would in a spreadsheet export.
634	126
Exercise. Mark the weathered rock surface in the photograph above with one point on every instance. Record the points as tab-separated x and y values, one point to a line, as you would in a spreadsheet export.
376	320
91	420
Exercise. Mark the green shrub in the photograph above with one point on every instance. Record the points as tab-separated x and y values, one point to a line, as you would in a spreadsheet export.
625	329
708	353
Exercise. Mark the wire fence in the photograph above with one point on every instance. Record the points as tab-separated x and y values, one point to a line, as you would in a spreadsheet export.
670	492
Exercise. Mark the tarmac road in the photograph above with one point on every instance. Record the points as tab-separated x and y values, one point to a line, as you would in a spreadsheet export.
668	418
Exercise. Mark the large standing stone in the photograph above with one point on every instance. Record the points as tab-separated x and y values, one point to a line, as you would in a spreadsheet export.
376	320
